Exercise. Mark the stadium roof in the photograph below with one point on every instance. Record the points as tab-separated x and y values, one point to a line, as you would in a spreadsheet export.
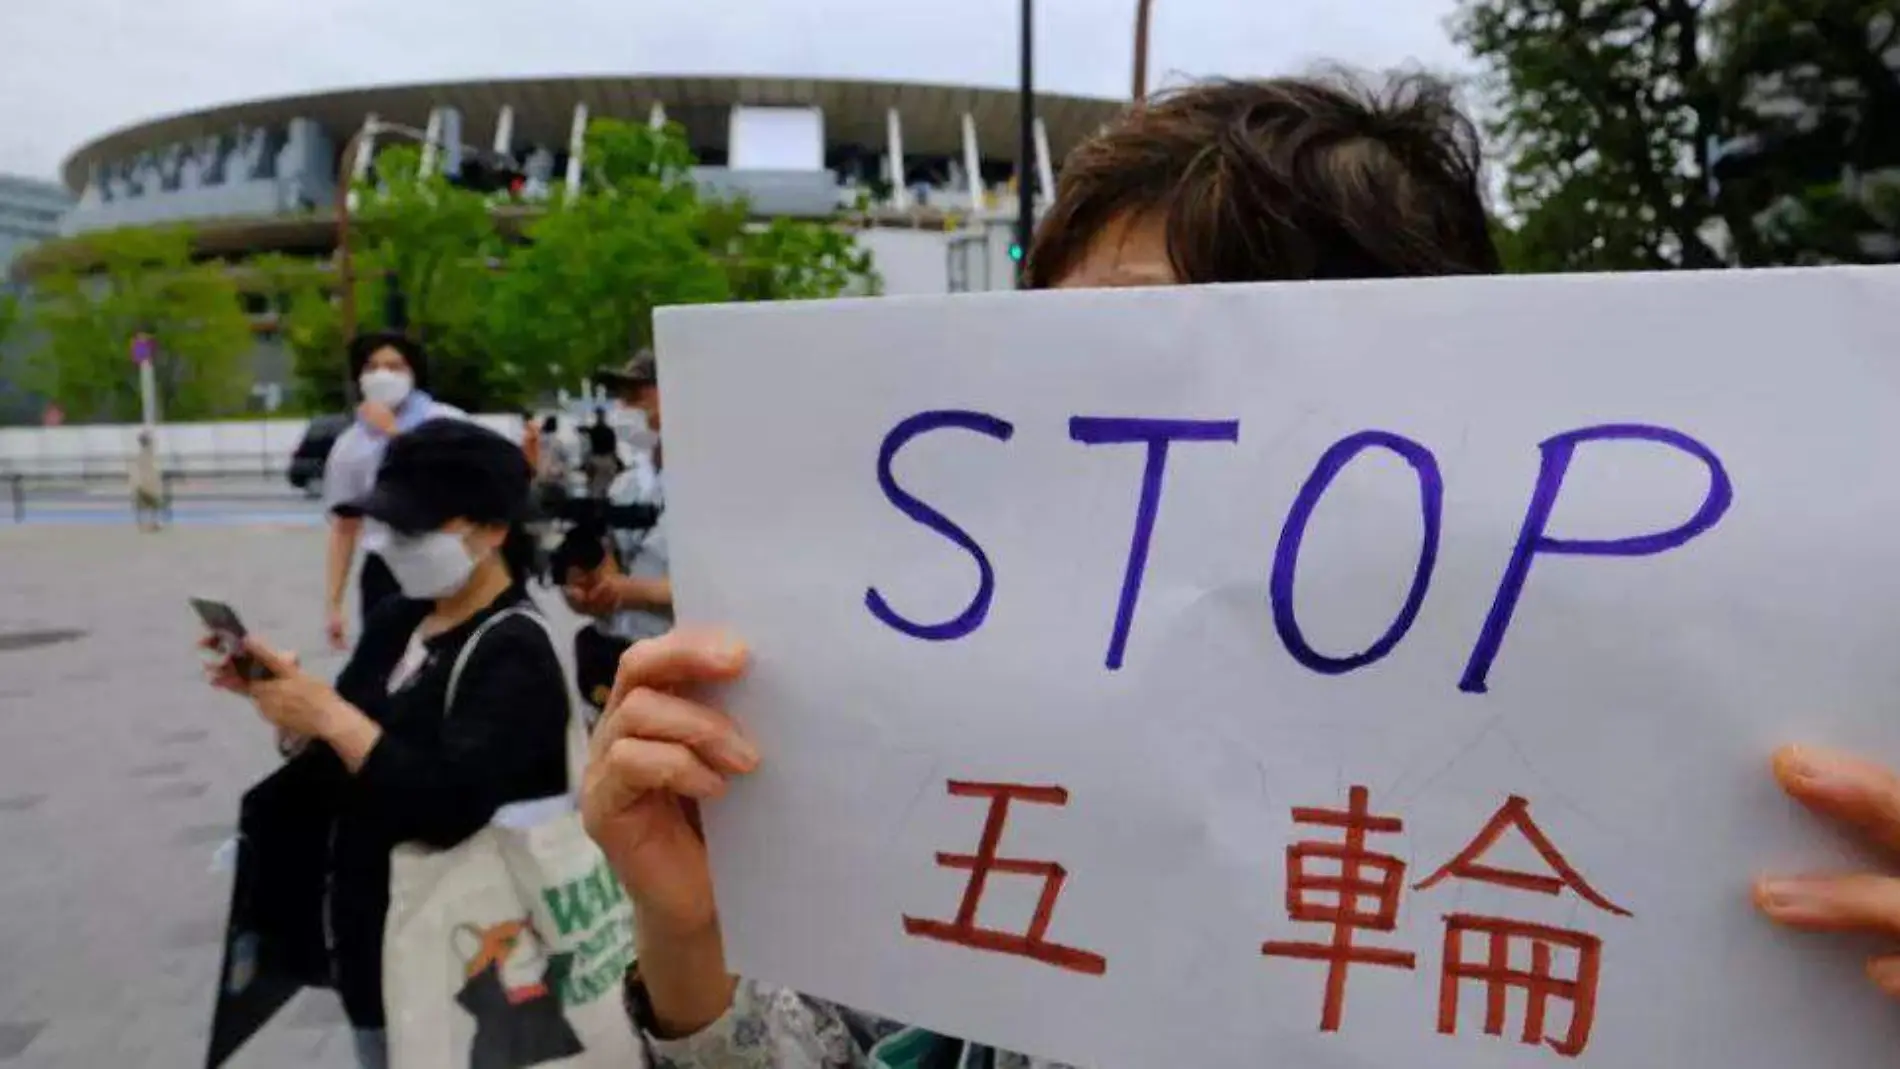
854	112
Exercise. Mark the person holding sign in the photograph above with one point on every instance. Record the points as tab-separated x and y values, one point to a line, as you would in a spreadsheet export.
1227	182
659	754
1231	182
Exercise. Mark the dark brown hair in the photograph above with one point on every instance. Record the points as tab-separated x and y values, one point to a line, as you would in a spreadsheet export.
366	345
1288	178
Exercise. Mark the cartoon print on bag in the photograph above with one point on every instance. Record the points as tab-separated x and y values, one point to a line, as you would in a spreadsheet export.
512	989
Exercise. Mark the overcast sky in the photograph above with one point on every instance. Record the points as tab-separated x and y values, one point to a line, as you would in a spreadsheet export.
73	69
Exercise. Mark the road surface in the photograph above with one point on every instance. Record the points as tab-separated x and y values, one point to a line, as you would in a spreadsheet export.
222	503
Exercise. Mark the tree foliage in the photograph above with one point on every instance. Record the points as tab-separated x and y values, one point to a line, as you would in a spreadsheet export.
438	246
10	315
143	280
511	305
509	316
581	292
1604	111
1619	122
1816	94
298	291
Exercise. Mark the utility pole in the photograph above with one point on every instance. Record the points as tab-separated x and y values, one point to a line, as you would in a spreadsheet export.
351	168
1026	144
1141	49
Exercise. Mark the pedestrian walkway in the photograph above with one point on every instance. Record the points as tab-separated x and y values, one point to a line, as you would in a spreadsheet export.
195	506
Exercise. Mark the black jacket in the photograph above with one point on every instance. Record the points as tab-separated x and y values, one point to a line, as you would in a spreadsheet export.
435	777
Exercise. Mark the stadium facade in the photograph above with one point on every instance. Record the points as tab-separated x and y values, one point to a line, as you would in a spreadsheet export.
30	212
922	172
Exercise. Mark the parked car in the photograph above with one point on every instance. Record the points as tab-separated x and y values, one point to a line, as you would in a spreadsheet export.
306	464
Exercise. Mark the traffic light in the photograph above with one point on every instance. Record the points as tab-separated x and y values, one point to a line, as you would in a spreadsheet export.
1016	251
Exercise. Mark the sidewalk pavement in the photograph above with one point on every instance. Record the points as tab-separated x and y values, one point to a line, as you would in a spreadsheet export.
120	773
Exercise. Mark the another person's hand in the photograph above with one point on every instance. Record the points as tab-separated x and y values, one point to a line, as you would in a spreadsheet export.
379	416
336	628
591	593
1863	796
654	756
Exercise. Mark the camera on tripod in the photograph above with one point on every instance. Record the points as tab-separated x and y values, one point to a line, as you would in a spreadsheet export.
589	521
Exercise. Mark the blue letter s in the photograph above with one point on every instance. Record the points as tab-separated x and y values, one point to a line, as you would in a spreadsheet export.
972	616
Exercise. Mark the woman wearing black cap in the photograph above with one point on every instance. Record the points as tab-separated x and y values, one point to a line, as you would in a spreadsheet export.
391	370
446	514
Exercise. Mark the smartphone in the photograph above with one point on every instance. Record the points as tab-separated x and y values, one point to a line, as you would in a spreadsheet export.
223	622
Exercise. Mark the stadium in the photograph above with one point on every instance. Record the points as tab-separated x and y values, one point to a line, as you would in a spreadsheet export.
923	173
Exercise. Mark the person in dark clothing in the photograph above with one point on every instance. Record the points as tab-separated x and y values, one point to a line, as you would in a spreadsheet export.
603	455
446	514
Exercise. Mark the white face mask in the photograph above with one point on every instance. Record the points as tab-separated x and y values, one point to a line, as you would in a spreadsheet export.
426	567
386	387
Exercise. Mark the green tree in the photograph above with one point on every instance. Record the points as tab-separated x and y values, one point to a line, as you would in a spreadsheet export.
1606	111
143	280
438	246
508	317
580	293
1817	110
297	289
1692	133
792	260
9	315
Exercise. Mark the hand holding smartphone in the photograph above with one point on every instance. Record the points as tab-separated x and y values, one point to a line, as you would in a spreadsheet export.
229	631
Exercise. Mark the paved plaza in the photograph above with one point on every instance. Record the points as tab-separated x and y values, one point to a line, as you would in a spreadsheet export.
120	774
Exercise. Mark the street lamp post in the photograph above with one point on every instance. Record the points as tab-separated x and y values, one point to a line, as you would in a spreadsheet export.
1141	49
1026	143
345	269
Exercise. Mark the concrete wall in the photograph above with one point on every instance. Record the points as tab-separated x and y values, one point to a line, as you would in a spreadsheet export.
772	192
910	261
933	261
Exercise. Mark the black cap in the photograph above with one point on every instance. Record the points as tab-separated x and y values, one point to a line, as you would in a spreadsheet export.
446	469
641	371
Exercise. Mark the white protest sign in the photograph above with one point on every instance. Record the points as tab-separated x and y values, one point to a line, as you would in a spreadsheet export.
1101	637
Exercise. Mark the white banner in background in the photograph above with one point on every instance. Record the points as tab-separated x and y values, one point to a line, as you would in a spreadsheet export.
1305	675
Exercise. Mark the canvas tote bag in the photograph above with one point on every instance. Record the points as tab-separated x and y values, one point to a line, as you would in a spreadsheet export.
509	950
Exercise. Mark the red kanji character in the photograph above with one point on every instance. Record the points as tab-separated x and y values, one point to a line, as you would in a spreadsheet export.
1493	967
1344	911
963	931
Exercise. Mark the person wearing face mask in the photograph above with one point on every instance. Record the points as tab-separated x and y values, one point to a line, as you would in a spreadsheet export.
629	595
391	757
390	370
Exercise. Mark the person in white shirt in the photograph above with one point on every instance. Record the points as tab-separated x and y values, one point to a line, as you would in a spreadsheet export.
630	595
391	370
148	485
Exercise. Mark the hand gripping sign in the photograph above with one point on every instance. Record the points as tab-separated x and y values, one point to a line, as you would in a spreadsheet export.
1370	674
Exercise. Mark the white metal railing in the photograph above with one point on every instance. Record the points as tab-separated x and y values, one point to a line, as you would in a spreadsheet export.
185	450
